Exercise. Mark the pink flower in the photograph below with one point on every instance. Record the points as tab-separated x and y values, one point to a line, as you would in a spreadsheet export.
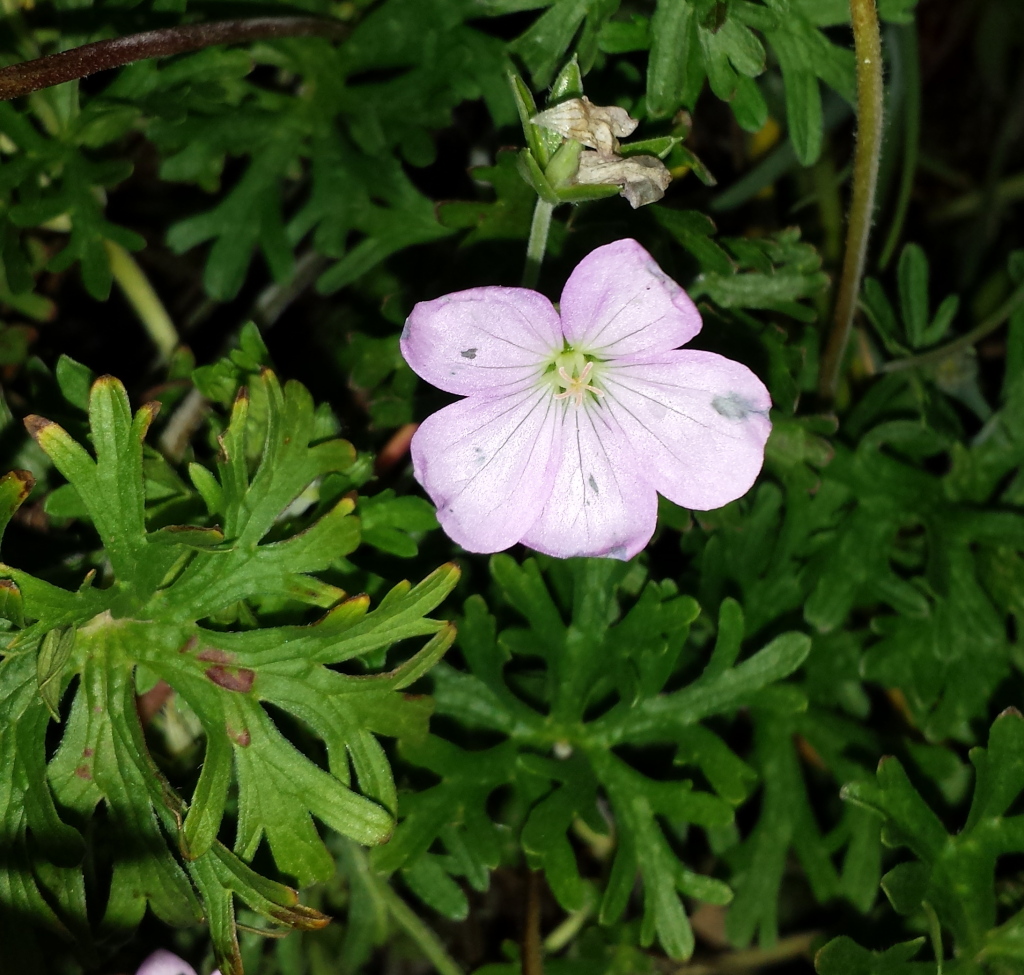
165	963
571	425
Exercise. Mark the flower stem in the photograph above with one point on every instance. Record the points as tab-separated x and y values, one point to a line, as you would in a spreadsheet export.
867	44
79	62
538	242
143	299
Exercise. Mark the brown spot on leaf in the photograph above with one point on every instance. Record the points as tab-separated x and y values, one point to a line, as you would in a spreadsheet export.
36	425
147	413
83	772
214	656
27	482
152	702
301	917
241	738
87	753
190	644
239	680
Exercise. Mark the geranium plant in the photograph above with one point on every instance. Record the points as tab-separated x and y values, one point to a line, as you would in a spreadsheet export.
511	487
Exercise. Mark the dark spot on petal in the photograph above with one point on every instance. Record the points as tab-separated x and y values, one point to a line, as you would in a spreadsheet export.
592	483
232	680
732	406
83	772
468	353
214	656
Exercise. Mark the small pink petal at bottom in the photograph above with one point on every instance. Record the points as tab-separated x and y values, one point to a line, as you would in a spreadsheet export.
163	962
600	505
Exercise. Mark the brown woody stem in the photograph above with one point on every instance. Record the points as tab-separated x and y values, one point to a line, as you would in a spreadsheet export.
79	62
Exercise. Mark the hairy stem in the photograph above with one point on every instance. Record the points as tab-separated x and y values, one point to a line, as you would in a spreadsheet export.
79	62
143	299
538	242
868	47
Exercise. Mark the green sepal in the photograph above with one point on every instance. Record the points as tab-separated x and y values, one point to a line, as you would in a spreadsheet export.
538	140
534	176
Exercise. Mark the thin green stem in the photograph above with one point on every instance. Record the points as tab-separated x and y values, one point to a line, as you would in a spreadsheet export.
976	334
868	48
146	302
409	921
911	63
561	936
538	242
1007	191
79	62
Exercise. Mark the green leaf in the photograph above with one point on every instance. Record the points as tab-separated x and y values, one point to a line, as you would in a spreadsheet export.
843	956
716	694
694	231
543	46
953	876
75	381
55	651
15	487
913	285
249	686
772	273
674	73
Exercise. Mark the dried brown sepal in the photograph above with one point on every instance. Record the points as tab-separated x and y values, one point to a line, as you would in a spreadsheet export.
597	126
643	179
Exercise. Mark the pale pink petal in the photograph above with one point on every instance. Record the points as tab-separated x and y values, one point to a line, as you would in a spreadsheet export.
699	422
165	963
618	302
488	465
484	340
600	504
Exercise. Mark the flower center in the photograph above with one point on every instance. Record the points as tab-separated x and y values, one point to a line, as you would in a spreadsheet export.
572	376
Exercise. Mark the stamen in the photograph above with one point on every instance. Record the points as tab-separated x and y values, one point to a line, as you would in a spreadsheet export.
575	386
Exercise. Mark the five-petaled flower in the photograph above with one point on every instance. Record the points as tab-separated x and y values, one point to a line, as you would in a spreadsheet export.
572	423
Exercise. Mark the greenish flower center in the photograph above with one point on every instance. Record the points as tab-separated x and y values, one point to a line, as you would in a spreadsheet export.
572	375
